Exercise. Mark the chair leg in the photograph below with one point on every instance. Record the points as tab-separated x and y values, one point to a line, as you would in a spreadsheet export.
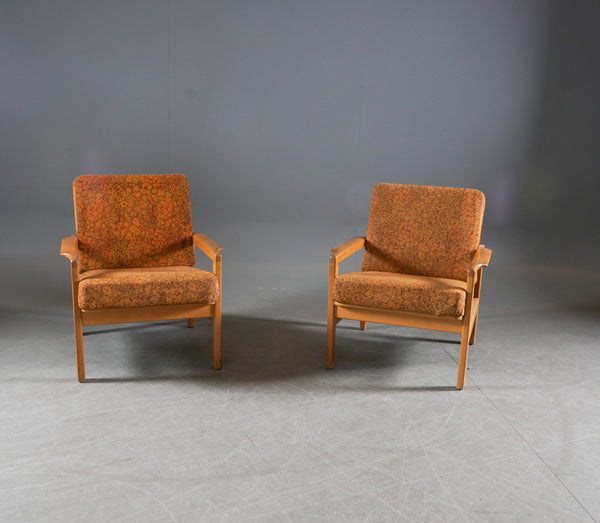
191	323
473	331
79	345
216	321
462	360
468	334
363	325
331	324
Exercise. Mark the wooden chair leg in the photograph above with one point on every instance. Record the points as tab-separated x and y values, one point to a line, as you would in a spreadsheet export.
363	325
79	346
462	361
464	353
191	323
216	321
473	331
331	324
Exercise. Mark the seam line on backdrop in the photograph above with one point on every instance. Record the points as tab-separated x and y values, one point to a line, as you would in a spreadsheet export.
169	86
358	134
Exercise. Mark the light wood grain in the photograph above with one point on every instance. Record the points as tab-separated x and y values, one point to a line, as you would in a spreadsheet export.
348	248
398	318
69	248
332	320
150	313
216	317
207	245
481	258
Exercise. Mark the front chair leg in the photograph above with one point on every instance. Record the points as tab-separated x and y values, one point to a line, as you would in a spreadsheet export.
462	360
467	338
363	325
467	334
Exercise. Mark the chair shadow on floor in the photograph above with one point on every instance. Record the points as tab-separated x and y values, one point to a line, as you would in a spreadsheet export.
255	351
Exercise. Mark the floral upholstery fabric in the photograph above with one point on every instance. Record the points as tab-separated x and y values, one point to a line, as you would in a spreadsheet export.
405	292
421	230
131	221
116	288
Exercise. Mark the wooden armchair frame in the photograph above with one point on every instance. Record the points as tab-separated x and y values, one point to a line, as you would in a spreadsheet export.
69	249
465	325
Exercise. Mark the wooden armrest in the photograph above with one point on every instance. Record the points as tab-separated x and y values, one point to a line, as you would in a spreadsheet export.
481	258
341	252
69	248
207	245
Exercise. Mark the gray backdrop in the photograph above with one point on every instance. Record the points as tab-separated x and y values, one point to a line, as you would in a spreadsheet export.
287	112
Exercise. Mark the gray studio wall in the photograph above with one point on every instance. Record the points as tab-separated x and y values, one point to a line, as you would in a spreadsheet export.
560	192
278	111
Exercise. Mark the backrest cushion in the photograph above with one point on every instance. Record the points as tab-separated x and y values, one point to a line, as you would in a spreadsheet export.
422	230
125	221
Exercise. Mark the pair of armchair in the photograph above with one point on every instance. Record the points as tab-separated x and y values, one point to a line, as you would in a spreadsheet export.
132	259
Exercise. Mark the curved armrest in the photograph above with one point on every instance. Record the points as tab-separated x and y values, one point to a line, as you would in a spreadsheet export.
348	248
69	248
207	245
481	258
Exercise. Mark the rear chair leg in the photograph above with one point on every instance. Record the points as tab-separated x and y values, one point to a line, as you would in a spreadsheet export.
216	321
331	323
473	331
191	323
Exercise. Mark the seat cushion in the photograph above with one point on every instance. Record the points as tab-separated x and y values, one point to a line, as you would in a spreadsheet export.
402	292
116	288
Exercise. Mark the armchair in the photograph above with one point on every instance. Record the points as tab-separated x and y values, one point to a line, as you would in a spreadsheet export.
422	265
132	257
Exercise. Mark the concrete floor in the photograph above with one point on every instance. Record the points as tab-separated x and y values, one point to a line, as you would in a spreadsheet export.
156	435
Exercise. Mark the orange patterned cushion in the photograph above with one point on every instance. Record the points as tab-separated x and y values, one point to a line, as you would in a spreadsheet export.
427	231
133	221
405	292
101	289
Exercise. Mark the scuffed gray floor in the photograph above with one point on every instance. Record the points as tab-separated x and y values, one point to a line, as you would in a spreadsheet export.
156	435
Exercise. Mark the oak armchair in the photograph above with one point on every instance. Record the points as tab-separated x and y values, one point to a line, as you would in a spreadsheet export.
132	257
421	267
